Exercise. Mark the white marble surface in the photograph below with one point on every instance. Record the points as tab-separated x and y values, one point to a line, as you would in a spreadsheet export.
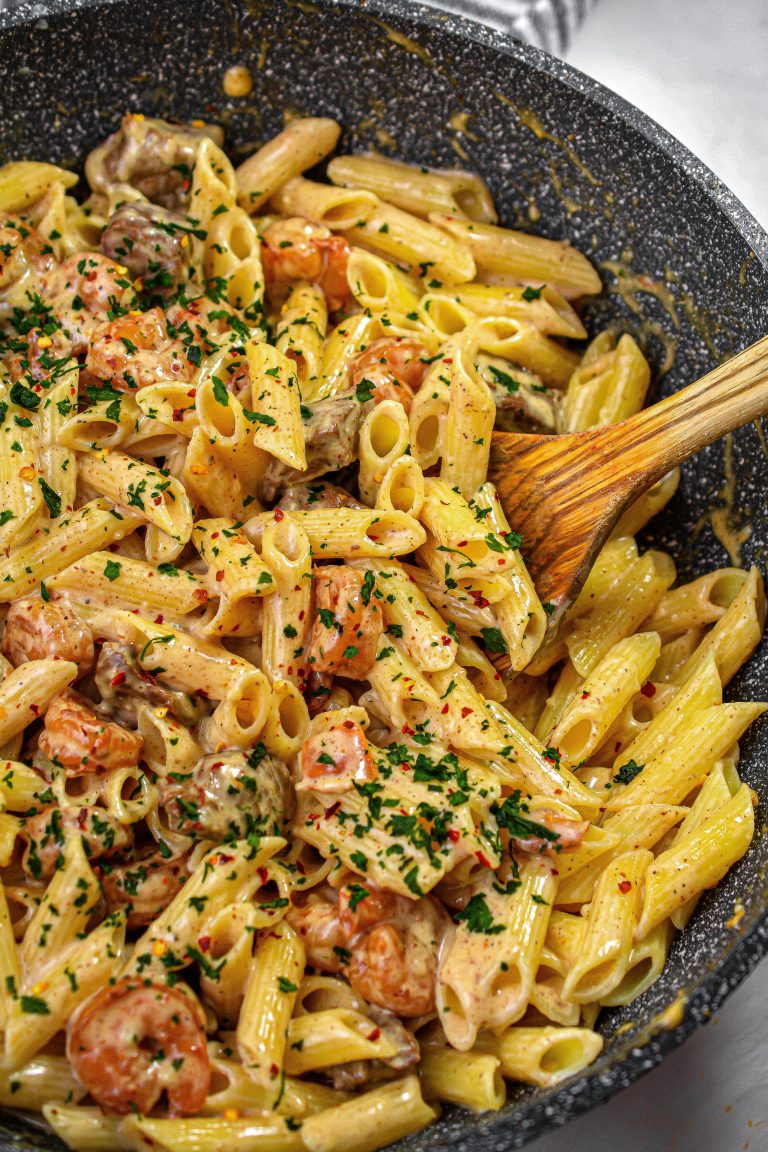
700	68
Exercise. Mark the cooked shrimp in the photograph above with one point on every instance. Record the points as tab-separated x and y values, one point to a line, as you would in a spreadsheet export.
36	362
296	249
135	351
346	631
45	835
319	925
36	629
82	290
143	885
80	741
22	256
394	945
197	319
135	1040
395	365
332	761
565	833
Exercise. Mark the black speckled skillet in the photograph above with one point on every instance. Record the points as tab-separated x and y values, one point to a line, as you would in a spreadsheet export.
557	149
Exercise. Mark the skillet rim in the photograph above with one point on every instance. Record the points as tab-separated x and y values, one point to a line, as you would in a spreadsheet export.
527	1118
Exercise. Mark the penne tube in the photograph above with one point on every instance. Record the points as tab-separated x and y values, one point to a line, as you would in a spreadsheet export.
486	974
383	439
270	995
642	826
379	1117
287	724
608	390
360	533
524	258
670	774
45	1080
617	615
379	285
735	635
703	690
24	182
524	344
697	604
347	340
239	718
285	626
468	429
603	694
58	465
303	143
697	860
606	945
634	518
470	1079
414	189
300	332
404	605
276	400
402	487
88	1129
545	307
335	208
320	1039
101	426
116	581
71	537
160	499
26	692
414	244
212	482
646	963
545	1056
251	1134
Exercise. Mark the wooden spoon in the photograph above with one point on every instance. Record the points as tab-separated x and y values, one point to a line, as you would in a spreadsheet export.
564	494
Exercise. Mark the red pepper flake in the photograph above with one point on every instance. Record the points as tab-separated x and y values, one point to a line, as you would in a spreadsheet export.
584	695
117	679
445	640
648	689
406	730
454	835
328	812
483	860
625	886
263	875
462	543
201	595
465	712
444	710
178	413
279	514
374	1034
273	1070
219	575
204	942
159	619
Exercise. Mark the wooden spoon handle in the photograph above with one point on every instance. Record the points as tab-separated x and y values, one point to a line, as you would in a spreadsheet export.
656	439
